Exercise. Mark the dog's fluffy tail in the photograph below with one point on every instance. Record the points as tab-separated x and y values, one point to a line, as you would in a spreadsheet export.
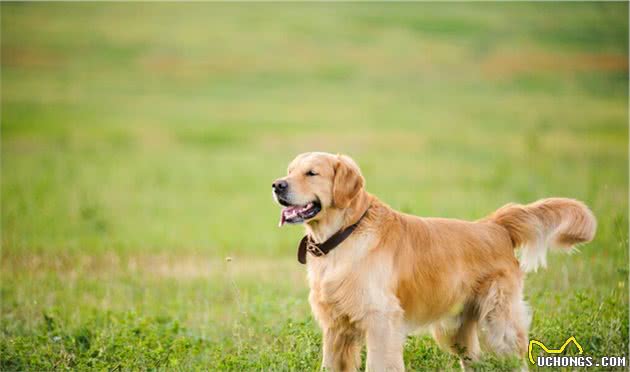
554	222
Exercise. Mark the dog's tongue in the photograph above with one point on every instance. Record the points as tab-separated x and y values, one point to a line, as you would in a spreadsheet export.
287	213
291	213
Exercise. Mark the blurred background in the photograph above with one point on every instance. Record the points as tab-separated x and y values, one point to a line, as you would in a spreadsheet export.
139	143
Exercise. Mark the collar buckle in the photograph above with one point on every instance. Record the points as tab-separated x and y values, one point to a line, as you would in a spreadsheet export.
314	249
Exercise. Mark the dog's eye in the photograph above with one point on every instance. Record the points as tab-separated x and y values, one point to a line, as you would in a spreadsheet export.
311	173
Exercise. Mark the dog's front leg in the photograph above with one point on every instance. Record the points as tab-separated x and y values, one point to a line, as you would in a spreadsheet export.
342	348
385	339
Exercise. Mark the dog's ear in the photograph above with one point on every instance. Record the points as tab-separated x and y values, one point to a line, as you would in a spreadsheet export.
347	183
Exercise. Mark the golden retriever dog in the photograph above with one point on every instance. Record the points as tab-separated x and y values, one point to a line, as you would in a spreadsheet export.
396	273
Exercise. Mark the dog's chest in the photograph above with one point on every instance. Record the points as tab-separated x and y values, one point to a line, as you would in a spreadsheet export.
345	282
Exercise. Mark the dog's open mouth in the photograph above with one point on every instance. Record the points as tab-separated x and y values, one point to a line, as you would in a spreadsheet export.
299	213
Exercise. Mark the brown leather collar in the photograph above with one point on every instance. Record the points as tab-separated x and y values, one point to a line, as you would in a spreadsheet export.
322	249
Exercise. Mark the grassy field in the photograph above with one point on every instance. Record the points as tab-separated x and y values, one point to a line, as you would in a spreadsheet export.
139	142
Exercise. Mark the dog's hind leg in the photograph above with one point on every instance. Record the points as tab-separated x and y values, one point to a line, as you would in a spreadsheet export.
463	339
504	317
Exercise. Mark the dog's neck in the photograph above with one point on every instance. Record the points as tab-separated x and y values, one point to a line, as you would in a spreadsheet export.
337	219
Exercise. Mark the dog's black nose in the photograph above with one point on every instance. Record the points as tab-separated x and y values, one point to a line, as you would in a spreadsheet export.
280	185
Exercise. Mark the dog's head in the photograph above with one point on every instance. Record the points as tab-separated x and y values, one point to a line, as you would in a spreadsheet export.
316	183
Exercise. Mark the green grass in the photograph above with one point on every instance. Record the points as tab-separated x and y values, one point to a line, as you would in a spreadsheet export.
139	142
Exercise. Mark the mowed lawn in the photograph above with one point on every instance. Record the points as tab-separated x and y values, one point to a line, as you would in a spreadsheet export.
139	143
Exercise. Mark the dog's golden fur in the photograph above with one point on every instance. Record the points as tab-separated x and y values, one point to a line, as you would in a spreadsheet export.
399	272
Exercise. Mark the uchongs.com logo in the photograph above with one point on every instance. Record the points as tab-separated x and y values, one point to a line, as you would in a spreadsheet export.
554	359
